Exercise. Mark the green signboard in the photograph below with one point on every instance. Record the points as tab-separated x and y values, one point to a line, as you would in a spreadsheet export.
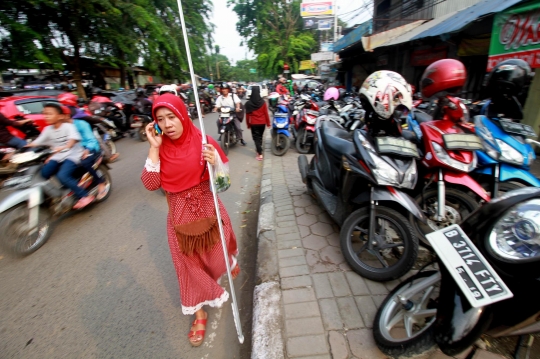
516	35
252	71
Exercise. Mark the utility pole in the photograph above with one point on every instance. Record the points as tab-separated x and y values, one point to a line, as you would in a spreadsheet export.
335	21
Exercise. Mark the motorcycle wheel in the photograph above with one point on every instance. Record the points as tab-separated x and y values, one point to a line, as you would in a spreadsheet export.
104	172
226	142
458	206
503	187
302	148
111	146
403	333
280	144
143	137
14	230
396	250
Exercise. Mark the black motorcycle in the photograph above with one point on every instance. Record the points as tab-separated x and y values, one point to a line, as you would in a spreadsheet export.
487	283
227	130
356	177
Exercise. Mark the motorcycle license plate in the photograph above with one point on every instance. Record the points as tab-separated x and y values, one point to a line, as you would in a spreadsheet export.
225	115
471	271
397	146
462	141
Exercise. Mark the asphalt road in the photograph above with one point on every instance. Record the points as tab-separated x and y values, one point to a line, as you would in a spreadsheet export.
104	285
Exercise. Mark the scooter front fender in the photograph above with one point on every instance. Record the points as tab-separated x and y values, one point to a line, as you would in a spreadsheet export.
284	131
510	173
310	128
464	179
34	197
458	324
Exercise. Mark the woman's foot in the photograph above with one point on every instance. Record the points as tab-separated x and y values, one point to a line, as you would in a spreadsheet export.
198	328
83	202
102	191
259	157
235	271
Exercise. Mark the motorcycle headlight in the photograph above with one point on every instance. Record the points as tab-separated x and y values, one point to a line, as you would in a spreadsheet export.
384	174
516	235
487	138
411	175
449	161
509	154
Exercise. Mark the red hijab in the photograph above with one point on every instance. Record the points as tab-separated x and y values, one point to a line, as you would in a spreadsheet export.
182	164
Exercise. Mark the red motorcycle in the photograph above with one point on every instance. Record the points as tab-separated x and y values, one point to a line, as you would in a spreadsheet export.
303	119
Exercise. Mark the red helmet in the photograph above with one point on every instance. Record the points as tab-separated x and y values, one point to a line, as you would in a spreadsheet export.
68	99
443	77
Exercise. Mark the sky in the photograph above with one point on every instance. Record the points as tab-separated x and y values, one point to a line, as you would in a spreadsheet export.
351	11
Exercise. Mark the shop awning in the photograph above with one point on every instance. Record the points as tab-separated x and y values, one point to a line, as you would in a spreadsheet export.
353	37
380	39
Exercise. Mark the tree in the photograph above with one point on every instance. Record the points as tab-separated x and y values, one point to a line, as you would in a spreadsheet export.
274	31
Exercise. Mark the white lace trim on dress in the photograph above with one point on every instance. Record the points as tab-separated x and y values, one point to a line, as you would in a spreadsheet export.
216	303
152	167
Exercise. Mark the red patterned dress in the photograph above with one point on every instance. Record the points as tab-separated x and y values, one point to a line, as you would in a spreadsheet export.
198	274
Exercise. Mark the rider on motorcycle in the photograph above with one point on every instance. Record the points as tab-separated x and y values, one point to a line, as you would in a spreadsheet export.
168	89
143	106
232	101
65	141
280	88
6	137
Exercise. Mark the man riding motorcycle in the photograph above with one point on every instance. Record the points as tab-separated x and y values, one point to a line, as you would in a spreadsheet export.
281	87
230	100
143	106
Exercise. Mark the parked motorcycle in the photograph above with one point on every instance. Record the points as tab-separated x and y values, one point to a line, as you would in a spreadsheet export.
488	269
139	123
357	179
280	131
28	214
227	130
305	115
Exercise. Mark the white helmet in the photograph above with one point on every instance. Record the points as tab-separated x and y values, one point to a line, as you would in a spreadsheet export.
168	89
385	91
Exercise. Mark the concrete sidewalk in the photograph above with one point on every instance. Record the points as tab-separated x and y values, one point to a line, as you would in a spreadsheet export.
309	303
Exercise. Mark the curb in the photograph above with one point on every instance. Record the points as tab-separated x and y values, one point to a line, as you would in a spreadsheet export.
267	341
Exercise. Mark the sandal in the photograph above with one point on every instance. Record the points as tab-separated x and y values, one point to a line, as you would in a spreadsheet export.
102	194
194	333
235	272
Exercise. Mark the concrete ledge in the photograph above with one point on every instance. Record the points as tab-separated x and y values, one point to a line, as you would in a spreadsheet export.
267	341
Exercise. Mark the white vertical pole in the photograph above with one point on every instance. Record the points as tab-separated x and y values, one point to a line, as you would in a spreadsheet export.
234	304
335	20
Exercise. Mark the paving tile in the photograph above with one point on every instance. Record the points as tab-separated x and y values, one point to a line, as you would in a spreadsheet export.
390	285
333	239
325	218
349	313
289	244
304	231
363	345
284	224
376	287
292	261
322	286
289	236
284	207
302	202
298	211
315	357
357	284
339	284
286	253
378	299
298	295
367	309
338	345
302	310
287	230
332	255
314	209
307	219
322	229
293	271
439	355
296	282
303	326
314	242
307	345
288	212
330	314
323	268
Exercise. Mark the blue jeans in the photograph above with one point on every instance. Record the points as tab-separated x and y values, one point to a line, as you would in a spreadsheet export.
88	164
64	173
16	142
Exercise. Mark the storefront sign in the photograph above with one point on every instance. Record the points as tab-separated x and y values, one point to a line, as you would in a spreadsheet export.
428	56
327	47
312	23
306	65
316	8
322	56
516	35
325	25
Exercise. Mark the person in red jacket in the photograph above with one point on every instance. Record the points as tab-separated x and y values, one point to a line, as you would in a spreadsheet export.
257	118
281	88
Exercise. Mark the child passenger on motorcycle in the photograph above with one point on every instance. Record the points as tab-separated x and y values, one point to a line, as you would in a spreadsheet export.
64	139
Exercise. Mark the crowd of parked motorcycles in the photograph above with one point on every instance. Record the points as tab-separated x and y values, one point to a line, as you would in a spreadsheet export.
397	171
436	172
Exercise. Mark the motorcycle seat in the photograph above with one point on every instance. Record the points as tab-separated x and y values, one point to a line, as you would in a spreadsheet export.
336	139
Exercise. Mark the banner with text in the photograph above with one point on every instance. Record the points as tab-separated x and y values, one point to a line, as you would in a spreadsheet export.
316	8
313	22
516	35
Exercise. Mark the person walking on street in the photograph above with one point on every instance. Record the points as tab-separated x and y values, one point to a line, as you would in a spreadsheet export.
177	163
257	118
230	100
281	87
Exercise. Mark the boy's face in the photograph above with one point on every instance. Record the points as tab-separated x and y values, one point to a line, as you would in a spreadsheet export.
52	116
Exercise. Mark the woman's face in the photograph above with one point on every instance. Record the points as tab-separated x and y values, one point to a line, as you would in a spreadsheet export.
169	123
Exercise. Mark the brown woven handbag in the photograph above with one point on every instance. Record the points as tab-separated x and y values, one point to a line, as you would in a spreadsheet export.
198	236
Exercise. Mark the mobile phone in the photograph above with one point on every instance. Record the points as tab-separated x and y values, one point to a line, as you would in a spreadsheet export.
157	130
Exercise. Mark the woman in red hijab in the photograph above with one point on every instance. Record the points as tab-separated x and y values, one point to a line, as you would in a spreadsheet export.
177	163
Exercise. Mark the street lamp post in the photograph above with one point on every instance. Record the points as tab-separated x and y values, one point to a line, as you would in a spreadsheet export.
217	68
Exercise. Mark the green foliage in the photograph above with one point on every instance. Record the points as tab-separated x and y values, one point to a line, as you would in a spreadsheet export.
273	30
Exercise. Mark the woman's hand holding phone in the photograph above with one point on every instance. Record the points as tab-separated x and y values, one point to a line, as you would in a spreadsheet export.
154	139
